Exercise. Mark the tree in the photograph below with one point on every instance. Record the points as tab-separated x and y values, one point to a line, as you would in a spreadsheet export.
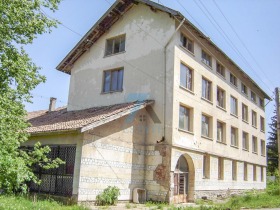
272	146
21	21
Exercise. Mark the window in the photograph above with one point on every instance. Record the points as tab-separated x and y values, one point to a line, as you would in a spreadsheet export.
186	43
254	173
234	137
220	168
206	89
244	112
206	166
185	118
261	173
206	126
233	80
253	97
263	147
262	123
221	131
254	119
113	81
186	77
245	173
115	45
244	89
261	101
234	170
206	58
233	106
254	144
245	141
220	69
221	98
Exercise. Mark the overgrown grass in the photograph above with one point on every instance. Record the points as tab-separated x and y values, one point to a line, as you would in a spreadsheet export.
12	202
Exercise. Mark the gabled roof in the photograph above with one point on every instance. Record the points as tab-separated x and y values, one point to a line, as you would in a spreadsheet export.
62	120
113	14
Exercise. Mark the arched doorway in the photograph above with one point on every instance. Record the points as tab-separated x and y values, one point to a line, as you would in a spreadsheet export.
183	180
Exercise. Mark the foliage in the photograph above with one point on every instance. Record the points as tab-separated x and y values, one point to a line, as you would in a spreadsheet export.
272	147
108	197
21	22
23	202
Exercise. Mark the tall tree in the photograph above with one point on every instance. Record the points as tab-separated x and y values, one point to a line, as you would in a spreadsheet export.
272	146
21	21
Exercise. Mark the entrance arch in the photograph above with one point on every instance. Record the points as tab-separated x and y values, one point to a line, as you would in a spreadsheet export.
184	180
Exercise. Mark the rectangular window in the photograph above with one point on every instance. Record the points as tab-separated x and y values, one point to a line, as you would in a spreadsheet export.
206	166
245	173
262	123
254	144
254	173
253	97
186	77
113	80
254	119
245	141
244	89
206	89
220	168
234	137
187	43
221	131
206	126
244	112
233	106
262	147
234	170
115	45
261	101
185	118
221	97
206	58
262	177
220	69
233	79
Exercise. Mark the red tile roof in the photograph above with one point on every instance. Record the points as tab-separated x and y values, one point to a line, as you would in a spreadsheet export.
80	120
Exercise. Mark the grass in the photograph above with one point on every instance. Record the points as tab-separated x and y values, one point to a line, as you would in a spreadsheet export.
12	202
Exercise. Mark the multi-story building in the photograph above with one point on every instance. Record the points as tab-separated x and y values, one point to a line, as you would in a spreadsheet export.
154	104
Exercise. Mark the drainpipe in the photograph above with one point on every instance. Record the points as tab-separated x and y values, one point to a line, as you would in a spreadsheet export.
165	72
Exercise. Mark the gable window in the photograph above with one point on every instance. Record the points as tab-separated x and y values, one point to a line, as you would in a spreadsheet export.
113	80
220	69
221	97
234	137
262	147
245	141
244	112
254	119
206	166
206	126
206	58
254	144
186	43
206	89
115	45
234	170
233	79
221	131
261	101
244	89
253	97
262	124
233	106
245	173
220	168
185	118
186	77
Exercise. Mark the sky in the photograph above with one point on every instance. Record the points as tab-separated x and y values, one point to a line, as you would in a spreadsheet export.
248	31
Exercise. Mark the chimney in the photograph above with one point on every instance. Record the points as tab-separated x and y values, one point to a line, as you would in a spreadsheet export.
52	104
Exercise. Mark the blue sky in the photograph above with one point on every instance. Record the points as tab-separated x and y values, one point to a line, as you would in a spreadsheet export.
256	23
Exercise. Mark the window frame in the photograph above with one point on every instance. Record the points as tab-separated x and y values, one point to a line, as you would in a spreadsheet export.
219	92
262	123
190	118
209	126
244	89
104	80
208	89
245	171
245	141
234	170
220	168
206	166
188	69
254	145
253	97
223	134
188	41
206	58
234	142
246	116
220	69
263	148
107	52
254	172
234	82
254	119
236	106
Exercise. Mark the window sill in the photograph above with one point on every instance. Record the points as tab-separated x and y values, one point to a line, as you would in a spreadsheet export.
254	126
205	177
262	131
110	92
221	108
205	64
186	89
233	85
263	155
246	150
234	115
245	121
205	99
186	50
206	137
236	147
185	131
221	76
105	56
221	142
244	94
255	153
254	102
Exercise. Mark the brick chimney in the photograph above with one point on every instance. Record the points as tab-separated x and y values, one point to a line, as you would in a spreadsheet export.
52	104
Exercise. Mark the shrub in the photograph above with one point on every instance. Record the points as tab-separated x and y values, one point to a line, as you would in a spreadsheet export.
108	197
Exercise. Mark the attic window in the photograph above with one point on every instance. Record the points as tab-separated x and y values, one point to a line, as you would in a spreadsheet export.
115	45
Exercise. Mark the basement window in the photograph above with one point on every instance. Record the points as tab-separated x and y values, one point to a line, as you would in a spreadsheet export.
115	45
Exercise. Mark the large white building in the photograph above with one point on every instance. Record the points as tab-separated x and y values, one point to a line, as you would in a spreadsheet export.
153	104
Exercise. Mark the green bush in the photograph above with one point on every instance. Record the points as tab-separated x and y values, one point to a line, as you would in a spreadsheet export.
108	197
